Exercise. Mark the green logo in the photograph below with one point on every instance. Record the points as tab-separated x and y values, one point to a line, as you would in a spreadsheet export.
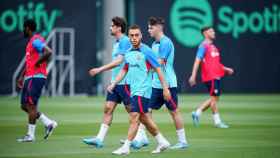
187	17
11	20
238	22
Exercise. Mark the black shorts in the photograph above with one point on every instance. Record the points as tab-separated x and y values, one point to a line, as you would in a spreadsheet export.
121	94
32	89
157	99
139	104
214	87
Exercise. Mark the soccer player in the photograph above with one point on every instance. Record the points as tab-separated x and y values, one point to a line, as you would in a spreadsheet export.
164	50
212	71
32	80
121	92
138	68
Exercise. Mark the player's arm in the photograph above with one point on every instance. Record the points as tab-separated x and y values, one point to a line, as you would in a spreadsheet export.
164	51
20	79
166	92
124	45
118	78
199	56
154	63
43	49
114	63
228	70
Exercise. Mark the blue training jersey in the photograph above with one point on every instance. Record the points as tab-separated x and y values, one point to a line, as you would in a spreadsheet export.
120	47
139	63
164	49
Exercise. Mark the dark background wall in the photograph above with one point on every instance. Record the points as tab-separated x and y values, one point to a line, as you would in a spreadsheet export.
73	14
254	56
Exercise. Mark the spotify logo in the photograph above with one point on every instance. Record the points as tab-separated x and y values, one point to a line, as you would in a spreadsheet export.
187	17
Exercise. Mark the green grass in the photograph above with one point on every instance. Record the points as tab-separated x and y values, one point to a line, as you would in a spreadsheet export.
254	132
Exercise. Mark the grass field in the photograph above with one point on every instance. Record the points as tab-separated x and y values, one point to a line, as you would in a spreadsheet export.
254	132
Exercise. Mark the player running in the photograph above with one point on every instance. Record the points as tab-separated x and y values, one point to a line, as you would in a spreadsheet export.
164	50
138	68
121	93
32	80
212	71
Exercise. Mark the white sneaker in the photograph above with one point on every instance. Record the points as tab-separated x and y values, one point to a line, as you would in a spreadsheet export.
121	151
161	147
26	138
49	129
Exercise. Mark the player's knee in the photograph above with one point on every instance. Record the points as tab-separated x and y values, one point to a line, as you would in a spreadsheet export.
108	110
134	118
128	108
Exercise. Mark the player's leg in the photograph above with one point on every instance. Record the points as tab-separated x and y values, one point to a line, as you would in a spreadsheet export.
205	105
30	96
147	120
215	93
155	102
197	113
112	100
133	126
177	118
163	144
98	140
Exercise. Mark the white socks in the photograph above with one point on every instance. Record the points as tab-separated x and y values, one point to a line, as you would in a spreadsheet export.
181	136
126	144
45	120
141	134
102	131
31	130
160	139
198	112
217	119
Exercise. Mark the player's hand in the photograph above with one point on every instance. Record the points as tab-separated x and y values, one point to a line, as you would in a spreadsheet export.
192	81
20	83
229	71
111	87
94	71
166	94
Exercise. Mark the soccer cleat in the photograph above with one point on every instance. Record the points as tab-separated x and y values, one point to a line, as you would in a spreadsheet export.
122	141
180	146
93	141
221	125
195	119
26	138
161	147
49	129
121	151
139	144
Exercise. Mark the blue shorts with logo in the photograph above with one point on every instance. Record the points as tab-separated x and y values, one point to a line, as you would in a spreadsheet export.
157	99
139	104
214	87
121	94
32	89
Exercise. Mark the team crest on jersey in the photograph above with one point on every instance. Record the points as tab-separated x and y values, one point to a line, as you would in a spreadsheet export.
138	57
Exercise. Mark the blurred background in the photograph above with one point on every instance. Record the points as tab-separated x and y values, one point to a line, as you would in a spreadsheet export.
248	36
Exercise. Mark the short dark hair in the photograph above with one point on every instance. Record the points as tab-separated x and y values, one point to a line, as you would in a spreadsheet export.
156	21
31	24
205	29
120	22
134	27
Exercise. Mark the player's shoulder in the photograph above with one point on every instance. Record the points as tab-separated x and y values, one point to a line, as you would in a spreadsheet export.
165	40
125	39
203	44
145	48
38	36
